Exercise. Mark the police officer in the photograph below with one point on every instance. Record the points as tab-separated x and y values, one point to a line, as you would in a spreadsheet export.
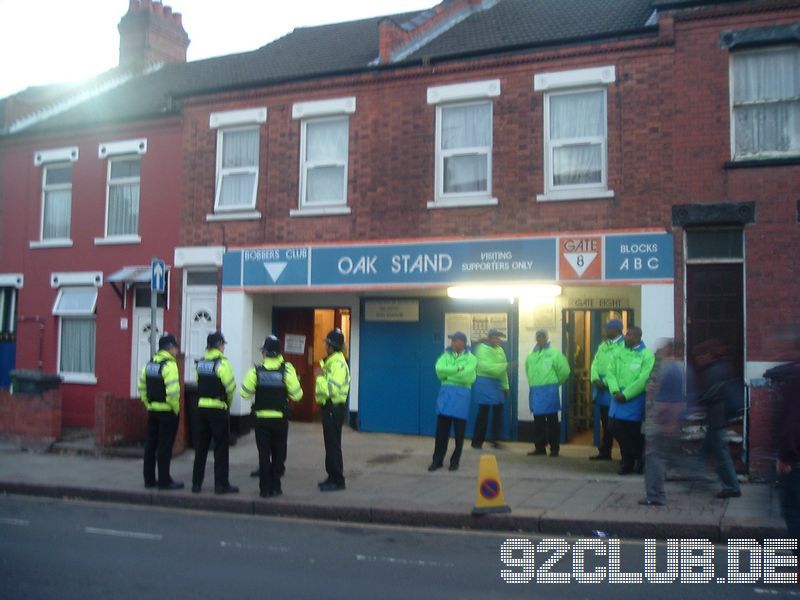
627	382
160	390
456	368
603	360
490	387
332	387
215	387
547	370
274	383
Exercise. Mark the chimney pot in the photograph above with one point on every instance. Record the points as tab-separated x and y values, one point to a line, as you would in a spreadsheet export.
158	8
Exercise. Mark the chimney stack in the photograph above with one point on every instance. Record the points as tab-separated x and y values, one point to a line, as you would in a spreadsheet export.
151	33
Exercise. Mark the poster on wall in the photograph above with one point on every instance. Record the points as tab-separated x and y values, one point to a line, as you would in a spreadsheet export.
474	325
294	344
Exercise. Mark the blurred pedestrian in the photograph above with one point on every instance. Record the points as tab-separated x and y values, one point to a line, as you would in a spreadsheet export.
627	382
490	388
719	388
602	362
665	402
456	368
272	384
160	390
215	387
547	370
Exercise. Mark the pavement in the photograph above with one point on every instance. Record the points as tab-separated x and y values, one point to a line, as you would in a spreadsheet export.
388	483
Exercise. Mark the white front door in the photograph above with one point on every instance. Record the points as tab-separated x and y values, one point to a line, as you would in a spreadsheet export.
199	319
141	342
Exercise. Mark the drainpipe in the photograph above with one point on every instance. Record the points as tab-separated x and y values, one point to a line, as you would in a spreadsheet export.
40	321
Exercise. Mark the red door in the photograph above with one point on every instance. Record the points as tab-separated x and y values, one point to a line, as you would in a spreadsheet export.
299	322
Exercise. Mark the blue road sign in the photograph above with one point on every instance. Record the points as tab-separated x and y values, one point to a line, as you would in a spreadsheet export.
158	275
639	256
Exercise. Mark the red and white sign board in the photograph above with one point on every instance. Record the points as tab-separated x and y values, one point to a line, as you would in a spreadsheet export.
580	258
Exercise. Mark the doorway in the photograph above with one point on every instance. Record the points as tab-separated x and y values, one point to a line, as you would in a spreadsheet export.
303	332
583	332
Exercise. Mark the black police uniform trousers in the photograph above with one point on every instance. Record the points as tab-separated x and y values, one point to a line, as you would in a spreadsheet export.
443	424
162	426
482	420
211	423
546	430
333	416
630	439
607	440
271	437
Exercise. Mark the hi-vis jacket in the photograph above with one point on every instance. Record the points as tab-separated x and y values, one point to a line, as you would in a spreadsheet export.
290	383
603	360
164	367
547	369
492	374
632	368
213	394
457	373
334	383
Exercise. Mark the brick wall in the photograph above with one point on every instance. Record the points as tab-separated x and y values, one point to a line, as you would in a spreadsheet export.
765	414
30	419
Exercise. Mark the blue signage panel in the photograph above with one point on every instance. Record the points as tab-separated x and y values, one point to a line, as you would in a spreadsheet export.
158	275
639	256
438	262
232	268
275	267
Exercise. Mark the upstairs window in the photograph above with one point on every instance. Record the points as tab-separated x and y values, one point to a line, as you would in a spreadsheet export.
237	169
122	214
575	133
765	103
464	124
56	202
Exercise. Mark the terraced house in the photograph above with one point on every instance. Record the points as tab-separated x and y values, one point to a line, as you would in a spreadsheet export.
510	164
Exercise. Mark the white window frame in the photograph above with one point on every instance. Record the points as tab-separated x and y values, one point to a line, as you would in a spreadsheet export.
452	96
758	155
595	79
331	207
54	242
85	314
221	173
128	237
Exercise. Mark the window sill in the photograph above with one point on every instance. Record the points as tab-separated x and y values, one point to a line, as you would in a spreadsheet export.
250	215
117	240
80	378
748	163
319	211
462	202
559	196
52	244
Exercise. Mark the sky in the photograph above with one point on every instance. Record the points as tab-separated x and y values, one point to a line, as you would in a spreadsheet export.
55	41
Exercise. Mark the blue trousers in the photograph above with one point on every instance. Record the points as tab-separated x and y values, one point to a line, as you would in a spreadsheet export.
715	446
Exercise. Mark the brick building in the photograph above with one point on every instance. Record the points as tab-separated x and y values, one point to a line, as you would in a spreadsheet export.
571	160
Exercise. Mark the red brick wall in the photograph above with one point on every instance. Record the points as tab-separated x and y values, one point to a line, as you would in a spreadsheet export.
30	419
765	412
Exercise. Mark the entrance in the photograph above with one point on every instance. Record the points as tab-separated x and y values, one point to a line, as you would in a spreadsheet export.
583	332
303	332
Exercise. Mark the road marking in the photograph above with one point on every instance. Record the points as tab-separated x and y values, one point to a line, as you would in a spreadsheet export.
126	534
403	561
245	546
17	522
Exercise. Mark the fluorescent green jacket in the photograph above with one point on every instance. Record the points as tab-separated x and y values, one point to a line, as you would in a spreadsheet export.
492	362
290	380
453	369
546	366
604	358
225	374
171	381
632	368
334	383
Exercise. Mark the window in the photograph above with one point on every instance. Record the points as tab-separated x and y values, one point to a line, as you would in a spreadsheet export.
56	202
122	214
237	169
464	120
324	153
765	101
323	169
575	133
75	306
